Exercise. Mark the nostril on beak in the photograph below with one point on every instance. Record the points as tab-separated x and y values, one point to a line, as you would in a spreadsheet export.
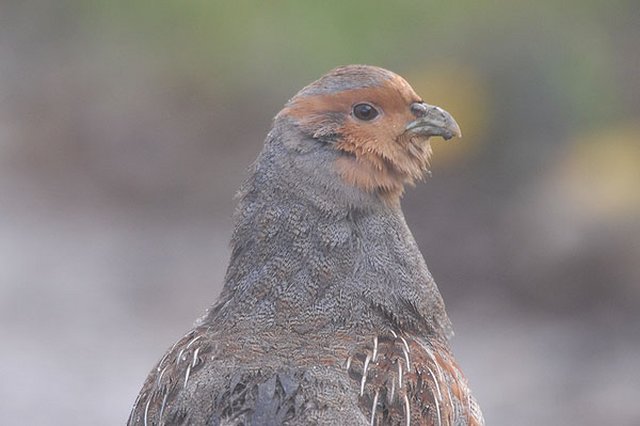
419	109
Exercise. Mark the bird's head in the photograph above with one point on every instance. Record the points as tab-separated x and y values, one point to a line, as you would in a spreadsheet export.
376	121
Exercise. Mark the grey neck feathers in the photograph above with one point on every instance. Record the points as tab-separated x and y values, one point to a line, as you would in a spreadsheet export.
311	253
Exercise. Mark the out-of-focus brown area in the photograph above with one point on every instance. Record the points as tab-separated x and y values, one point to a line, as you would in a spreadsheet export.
126	128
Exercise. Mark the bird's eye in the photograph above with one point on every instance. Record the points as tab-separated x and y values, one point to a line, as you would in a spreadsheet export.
365	112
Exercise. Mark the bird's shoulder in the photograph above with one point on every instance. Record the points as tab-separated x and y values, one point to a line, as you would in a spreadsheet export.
209	378
381	378
405	379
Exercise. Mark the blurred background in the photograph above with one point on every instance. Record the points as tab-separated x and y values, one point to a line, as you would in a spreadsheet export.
127	127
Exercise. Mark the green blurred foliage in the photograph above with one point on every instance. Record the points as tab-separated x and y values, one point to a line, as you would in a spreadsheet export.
236	42
274	47
522	77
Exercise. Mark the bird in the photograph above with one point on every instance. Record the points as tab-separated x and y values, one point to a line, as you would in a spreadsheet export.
328	313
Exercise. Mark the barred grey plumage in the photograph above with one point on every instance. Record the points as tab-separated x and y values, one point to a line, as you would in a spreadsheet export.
328	314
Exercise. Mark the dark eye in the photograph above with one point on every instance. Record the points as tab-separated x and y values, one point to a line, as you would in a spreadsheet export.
365	112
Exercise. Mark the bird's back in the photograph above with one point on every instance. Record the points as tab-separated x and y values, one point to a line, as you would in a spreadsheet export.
207	378
210	379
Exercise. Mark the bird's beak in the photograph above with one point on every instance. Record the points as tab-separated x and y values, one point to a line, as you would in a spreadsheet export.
435	122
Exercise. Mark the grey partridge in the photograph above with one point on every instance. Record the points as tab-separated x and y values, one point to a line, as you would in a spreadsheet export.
328	314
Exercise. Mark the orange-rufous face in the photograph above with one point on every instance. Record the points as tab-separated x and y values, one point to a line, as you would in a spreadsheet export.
383	130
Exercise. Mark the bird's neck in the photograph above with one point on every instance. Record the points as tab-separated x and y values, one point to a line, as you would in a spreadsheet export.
306	258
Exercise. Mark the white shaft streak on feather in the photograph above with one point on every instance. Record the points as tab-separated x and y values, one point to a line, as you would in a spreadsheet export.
164	402
186	376
364	374
349	363
405	349
175	345
437	398
195	339
160	375
433	358
146	411
393	390
407	409
374	407
435	381
399	375
195	357
375	349
164	359
449	396
179	357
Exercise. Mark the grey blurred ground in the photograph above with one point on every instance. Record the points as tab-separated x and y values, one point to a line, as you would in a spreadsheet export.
125	131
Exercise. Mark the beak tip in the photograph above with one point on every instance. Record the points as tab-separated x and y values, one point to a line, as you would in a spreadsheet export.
452	131
454	128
